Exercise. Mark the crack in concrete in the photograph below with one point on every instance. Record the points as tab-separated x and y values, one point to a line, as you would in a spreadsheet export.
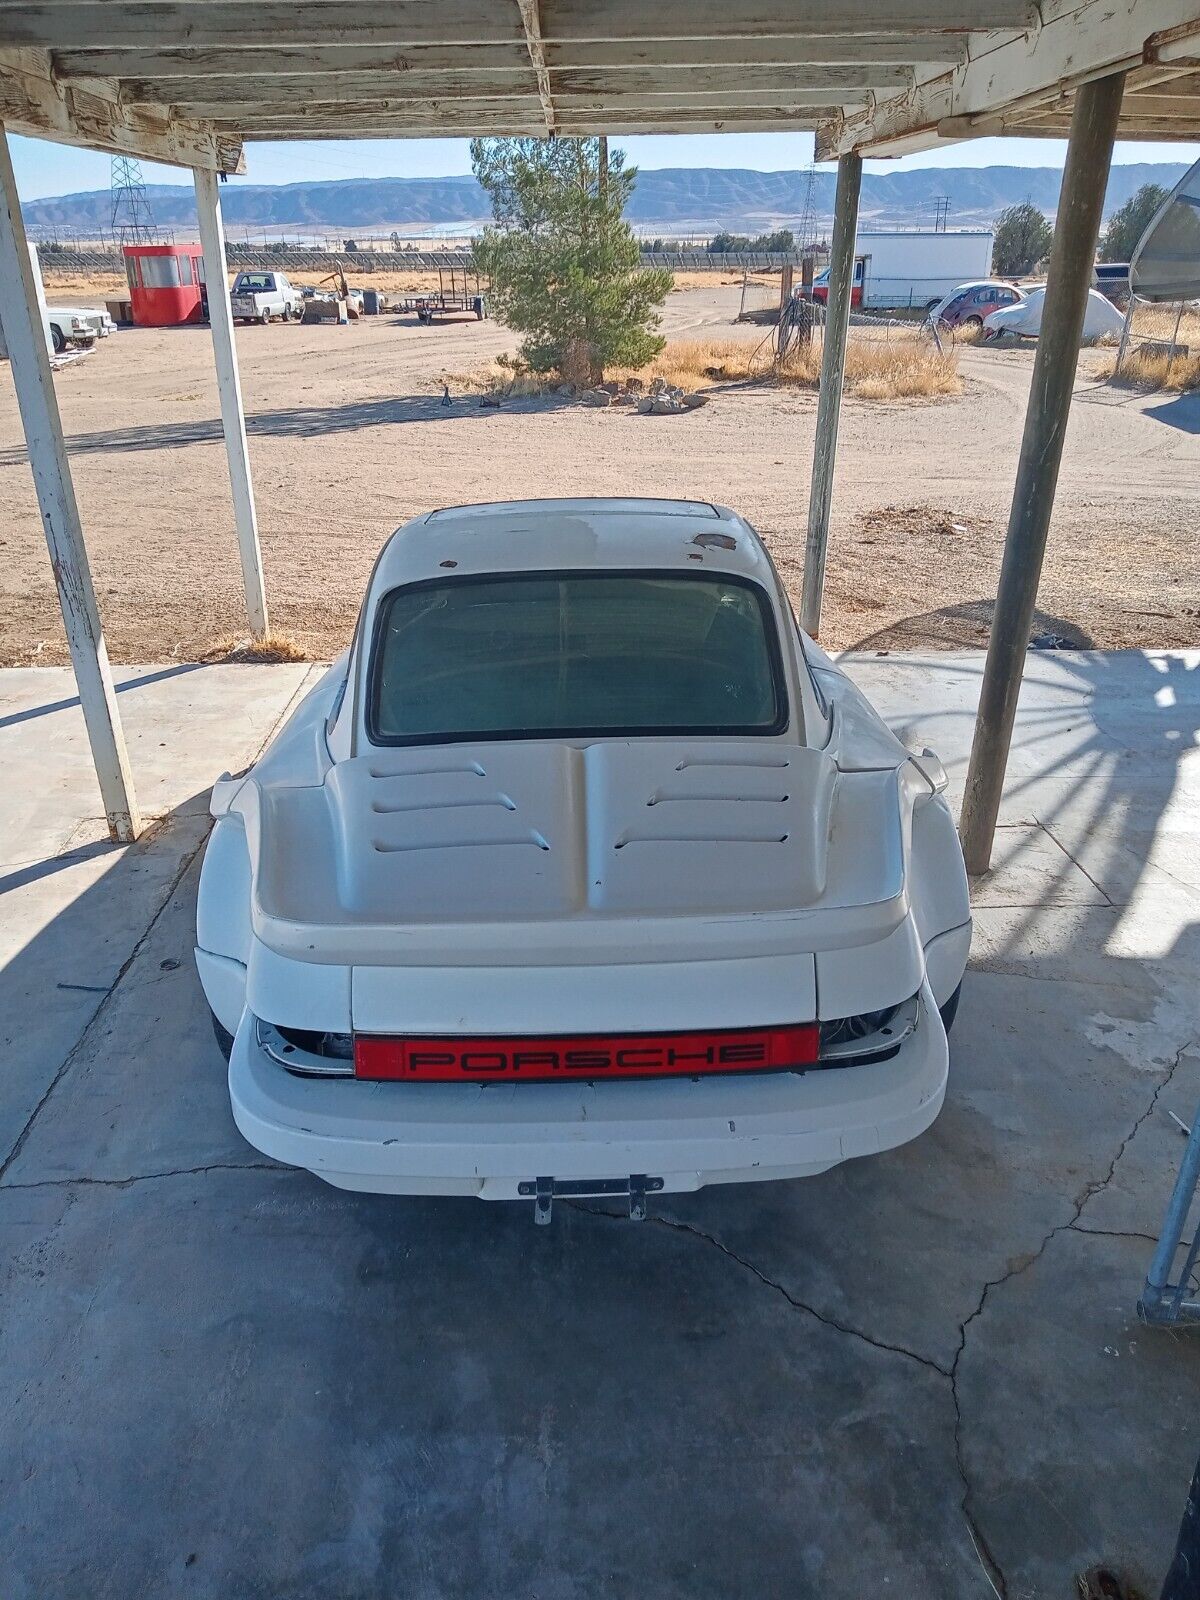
148	1177
989	1563
1072	1225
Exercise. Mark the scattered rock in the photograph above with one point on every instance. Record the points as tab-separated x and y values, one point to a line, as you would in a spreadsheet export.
610	386
690	402
596	397
634	386
665	406
489	400
646	405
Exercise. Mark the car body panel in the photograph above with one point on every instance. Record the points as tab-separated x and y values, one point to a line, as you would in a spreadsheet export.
973	302
591	884
1101	317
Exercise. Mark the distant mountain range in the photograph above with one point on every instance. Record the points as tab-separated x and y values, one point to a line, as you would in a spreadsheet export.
679	198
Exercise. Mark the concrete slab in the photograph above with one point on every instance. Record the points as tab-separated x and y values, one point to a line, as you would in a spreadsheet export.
221	1376
73	906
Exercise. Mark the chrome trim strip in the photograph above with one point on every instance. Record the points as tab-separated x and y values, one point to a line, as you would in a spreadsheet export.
305	1063
891	1036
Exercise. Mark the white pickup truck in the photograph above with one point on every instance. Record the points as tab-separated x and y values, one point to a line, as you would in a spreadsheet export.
80	326
263	296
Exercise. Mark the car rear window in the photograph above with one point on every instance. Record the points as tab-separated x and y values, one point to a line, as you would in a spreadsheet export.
572	654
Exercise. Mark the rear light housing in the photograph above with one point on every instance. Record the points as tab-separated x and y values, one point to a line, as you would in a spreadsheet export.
870	1036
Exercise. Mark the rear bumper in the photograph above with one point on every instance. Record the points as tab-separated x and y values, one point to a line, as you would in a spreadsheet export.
408	1138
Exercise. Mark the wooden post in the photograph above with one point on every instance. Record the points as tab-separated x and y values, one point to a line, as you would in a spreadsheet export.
25	335
833	371
1072	256
229	388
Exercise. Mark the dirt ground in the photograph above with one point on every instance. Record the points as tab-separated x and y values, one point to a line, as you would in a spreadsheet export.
349	438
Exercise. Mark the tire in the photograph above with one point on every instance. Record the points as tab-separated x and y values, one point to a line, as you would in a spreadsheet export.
950	1010
224	1037
972	324
56	339
264	317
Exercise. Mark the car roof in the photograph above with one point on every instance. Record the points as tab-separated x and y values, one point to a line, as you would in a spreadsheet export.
571	534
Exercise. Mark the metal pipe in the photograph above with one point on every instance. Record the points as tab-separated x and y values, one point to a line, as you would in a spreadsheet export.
33	378
229	390
833	371
1081	202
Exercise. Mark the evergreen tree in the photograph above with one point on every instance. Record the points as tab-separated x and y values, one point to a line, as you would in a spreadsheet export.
565	269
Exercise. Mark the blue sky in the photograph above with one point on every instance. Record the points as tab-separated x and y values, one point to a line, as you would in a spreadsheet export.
44	168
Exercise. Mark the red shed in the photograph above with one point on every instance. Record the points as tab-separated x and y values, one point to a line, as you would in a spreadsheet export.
166	283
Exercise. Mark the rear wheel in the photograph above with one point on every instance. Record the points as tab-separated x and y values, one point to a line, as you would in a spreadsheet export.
57	339
224	1037
264	317
972	324
950	1010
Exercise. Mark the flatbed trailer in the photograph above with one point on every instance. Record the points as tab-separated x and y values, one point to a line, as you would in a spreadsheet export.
459	293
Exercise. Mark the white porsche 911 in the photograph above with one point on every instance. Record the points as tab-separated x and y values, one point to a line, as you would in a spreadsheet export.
582	872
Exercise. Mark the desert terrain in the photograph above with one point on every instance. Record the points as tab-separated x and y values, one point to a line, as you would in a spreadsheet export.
349	438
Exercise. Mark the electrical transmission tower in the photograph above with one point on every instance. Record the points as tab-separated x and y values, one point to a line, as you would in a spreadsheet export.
130	218
805	230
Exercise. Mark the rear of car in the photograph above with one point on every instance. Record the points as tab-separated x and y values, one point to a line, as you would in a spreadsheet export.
967	306
576	877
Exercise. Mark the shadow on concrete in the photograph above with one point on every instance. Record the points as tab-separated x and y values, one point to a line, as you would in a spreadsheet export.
32	712
297	422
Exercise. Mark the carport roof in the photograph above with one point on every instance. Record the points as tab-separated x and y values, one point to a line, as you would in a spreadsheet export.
187	81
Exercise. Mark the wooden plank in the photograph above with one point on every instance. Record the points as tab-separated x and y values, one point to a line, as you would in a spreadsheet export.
267	88
711	105
229	391
25	335
828	79
826	84
153	24
583	124
670	55
31	103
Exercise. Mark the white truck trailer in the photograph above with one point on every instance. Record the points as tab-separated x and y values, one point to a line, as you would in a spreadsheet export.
912	270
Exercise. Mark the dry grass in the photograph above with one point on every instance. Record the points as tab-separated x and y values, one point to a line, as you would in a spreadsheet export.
84	288
902	368
899	368
274	648
1156	369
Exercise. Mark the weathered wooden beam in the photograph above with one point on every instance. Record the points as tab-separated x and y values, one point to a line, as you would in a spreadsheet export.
710	103
267	89
824	83
32	103
25	336
239	24
670	55
531	21
229	393
1077	42
768	121
1080	207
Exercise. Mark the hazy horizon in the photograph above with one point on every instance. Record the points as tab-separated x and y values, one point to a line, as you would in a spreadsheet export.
46	170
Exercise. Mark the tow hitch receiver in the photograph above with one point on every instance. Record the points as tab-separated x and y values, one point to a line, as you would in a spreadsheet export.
543	1190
